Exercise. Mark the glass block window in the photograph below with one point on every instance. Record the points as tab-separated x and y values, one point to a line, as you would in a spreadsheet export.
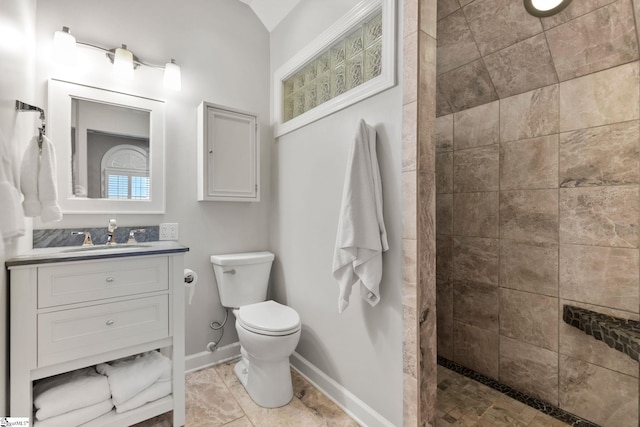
348	63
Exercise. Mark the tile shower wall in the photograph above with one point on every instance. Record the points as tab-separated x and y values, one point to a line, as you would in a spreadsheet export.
538	197
418	209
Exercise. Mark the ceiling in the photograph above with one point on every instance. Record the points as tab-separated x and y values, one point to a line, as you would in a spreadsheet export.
271	12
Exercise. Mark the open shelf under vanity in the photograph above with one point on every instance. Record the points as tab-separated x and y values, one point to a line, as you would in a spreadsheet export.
75	310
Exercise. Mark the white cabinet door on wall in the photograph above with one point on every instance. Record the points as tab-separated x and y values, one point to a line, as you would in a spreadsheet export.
228	154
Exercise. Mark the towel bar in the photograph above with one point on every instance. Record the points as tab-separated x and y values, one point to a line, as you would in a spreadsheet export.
23	106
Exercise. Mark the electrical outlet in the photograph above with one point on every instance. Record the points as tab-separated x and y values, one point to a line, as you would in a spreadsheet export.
169	231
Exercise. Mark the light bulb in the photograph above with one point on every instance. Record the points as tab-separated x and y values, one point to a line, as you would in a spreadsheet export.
123	63
545	5
172	76
64	47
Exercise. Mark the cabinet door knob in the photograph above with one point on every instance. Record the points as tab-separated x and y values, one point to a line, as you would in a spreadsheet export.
110	322
110	279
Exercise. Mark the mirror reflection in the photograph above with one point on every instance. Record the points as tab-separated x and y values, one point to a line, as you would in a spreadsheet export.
109	151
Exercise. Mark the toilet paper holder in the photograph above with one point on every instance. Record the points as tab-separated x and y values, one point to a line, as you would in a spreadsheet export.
190	280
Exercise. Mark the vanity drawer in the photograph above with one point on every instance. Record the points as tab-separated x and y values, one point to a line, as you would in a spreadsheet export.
91	281
72	334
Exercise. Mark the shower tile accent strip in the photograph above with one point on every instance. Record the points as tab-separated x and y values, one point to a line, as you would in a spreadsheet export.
620	334
48	238
540	405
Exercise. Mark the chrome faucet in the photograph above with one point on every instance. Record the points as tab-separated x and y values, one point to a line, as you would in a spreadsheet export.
132	236
111	229
87	237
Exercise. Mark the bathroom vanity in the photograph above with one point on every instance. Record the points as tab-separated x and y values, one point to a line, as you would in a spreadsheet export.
80	306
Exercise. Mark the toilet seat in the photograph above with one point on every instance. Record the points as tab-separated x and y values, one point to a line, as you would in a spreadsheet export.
269	318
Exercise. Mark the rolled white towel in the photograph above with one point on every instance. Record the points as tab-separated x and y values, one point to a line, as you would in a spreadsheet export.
68	392
131	376
29	171
77	417
47	188
153	392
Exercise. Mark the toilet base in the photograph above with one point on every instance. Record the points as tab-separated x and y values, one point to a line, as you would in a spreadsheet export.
268	383
241	371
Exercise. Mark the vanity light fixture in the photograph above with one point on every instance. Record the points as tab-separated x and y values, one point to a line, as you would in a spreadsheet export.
172	76
544	8
123	60
64	47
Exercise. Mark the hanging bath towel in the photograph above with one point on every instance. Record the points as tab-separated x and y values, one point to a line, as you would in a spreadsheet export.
29	171
12	224
38	181
47	178
361	236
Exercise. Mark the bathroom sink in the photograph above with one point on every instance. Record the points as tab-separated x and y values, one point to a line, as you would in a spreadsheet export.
122	247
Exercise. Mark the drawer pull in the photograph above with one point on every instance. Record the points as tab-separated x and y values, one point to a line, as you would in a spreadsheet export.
110	322
110	279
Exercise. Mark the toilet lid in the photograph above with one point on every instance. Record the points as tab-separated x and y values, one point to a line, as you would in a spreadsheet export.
269	318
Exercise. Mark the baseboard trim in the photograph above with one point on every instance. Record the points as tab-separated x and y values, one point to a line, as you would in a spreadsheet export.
204	359
362	413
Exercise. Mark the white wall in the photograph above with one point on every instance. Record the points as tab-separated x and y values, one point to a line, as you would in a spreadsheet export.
362	348
17	68
223	50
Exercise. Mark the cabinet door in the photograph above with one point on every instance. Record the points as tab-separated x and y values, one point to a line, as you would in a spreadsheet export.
229	154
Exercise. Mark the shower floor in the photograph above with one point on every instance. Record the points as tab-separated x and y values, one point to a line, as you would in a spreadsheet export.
465	402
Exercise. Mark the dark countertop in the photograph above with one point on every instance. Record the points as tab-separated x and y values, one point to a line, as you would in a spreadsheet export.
79	253
620	334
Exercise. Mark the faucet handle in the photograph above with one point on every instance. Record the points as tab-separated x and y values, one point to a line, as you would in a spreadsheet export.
132	236
87	237
112	225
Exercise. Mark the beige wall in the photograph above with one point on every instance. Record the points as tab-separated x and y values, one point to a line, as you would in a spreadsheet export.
418	211
538	205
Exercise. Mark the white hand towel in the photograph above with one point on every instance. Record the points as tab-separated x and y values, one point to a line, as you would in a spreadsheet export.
77	417
361	236
67	392
29	170
47	188
154	392
130	376
12	224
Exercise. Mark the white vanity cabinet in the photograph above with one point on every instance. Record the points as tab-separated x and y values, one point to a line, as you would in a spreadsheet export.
74	311
228	154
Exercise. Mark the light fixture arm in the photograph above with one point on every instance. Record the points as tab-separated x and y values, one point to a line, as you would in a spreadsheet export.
137	62
110	53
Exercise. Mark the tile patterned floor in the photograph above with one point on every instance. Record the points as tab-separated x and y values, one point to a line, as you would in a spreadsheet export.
465	402
215	398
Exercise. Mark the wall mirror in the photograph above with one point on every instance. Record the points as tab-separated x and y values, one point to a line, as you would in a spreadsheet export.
109	149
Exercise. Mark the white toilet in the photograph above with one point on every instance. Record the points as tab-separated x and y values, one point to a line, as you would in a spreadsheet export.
269	332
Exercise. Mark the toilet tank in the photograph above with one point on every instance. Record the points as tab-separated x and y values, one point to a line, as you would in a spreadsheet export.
242	278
